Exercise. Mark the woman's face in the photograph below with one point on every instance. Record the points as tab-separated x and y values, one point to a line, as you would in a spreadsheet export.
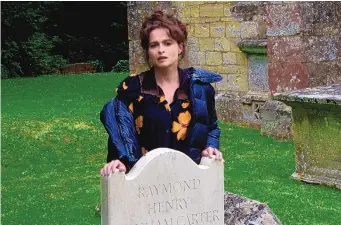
163	50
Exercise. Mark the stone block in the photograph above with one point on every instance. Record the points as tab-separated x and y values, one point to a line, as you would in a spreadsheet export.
242	79
187	12
322	48
193	44
229	107
318	73
195	11
140	58
232	83
276	120
197	20
242	59
227	9
137	47
227	19
258	73
320	18
211	19
292	49
217	29
212	10
248	11
225	69
249	30
232	29
222	44
334	73
165	187
283	19
262	28
196	58
185	20
213	58
229	58
230	69
273	49
191	30
207	44
287	76
202	30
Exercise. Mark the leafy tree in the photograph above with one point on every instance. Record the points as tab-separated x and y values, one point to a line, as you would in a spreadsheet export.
26	49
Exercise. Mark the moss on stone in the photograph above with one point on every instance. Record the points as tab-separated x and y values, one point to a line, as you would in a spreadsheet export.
317	138
253	49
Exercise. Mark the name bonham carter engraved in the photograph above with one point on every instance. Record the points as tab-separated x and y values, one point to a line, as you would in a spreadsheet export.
189	219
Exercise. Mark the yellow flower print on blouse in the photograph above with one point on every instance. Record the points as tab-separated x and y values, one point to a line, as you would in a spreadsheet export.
162	99
124	85
181	126
140	98
184	105
131	107
139	123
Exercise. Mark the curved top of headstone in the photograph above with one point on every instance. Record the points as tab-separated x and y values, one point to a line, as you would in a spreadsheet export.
321	95
166	155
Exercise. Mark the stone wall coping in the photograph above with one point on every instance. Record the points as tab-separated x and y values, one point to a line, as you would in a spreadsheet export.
321	95
253	46
255	96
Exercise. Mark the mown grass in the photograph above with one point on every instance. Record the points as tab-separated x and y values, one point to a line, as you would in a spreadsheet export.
53	146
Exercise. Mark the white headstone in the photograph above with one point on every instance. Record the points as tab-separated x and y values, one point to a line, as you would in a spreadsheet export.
165	187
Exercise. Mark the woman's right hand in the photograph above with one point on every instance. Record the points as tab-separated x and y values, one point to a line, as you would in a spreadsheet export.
112	166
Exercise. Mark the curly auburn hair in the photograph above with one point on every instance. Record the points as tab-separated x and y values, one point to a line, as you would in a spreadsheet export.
177	30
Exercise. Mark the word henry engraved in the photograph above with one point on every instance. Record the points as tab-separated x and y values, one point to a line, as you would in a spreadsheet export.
157	192
167	206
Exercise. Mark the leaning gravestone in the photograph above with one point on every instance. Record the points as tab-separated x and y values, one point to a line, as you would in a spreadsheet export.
165	187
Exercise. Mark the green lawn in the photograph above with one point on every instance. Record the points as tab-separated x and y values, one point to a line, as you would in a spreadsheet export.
53	146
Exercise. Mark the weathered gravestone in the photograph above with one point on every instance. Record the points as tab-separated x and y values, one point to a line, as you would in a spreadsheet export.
316	133
165	187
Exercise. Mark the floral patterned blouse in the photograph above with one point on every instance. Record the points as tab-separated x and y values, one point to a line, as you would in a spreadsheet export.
158	124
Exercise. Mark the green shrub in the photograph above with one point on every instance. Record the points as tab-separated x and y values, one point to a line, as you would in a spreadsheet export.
98	64
121	66
38	48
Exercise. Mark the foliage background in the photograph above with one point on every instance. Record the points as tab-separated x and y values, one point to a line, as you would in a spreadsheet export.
40	37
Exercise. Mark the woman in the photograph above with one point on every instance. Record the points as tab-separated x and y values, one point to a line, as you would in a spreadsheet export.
164	106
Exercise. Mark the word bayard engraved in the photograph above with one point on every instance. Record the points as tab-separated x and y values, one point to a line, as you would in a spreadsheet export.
189	219
174	187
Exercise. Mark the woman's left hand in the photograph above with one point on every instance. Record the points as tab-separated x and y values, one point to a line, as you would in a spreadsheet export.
210	152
